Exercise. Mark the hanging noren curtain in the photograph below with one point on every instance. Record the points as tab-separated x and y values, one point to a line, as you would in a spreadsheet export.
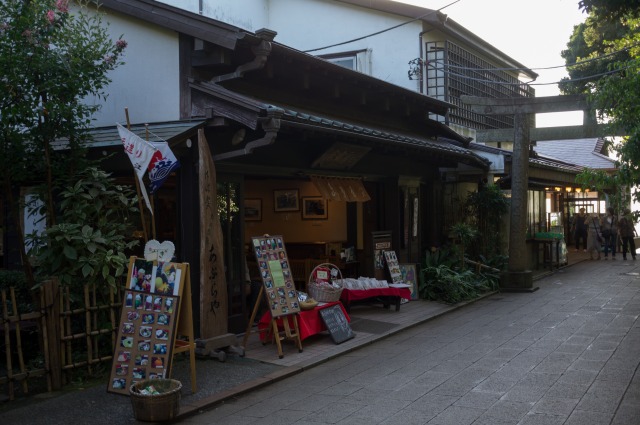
349	189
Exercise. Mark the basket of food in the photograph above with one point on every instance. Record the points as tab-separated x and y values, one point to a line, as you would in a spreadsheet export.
325	283
155	400
308	304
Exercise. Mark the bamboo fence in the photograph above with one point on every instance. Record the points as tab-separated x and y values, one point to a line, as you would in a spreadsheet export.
72	333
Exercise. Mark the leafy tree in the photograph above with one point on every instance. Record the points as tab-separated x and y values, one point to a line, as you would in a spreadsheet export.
52	59
611	8
614	185
591	52
611	32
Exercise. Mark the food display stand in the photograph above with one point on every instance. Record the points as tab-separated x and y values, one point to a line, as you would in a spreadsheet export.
309	322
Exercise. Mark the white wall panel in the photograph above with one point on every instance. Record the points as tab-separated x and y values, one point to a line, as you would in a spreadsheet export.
150	57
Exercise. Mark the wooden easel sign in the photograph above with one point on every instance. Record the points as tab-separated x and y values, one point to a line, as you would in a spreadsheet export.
278	289
276	275
151	318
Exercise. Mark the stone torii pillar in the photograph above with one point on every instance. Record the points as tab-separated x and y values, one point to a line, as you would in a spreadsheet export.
518	276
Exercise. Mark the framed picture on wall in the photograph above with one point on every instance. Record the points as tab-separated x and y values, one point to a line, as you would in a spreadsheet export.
253	209
286	200
314	208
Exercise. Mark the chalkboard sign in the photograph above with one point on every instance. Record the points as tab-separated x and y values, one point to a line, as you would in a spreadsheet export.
337	324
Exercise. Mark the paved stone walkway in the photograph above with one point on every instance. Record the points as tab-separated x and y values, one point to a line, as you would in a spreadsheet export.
566	354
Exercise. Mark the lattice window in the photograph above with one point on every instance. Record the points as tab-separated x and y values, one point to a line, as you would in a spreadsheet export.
453	71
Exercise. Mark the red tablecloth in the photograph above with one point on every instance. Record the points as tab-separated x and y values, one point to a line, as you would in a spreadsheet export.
348	295
309	322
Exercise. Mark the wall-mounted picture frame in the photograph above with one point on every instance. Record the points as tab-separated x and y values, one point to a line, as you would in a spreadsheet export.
253	209
314	208
286	200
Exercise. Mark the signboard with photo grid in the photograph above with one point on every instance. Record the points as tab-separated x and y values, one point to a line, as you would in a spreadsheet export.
152	317
277	279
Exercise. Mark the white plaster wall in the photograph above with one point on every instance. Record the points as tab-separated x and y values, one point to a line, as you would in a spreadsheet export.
249	15
150	57
309	24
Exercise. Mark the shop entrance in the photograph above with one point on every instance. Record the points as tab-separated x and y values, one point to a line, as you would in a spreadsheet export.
230	209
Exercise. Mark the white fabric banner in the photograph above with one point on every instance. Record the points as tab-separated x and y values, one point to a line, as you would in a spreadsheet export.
140	153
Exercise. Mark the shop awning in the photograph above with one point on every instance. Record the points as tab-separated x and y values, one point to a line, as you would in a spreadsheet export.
349	189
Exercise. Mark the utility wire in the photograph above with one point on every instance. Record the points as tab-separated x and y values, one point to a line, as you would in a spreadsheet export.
549	67
531	83
384	30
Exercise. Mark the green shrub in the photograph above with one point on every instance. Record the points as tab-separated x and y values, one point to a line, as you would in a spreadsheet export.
16	279
442	280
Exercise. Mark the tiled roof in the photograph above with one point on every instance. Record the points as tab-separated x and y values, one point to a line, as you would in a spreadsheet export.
163	131
584	152
439	145
541	161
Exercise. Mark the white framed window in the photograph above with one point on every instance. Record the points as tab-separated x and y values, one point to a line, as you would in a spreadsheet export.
359	60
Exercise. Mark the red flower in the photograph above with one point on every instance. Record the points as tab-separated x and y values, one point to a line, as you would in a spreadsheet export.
62	5
121	44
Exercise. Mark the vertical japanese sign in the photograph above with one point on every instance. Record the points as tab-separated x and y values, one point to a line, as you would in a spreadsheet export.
213	283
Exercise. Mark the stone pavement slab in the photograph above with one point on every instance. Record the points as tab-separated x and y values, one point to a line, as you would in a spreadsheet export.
565	354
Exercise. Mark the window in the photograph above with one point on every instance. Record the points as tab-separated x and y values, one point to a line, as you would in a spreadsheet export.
357	60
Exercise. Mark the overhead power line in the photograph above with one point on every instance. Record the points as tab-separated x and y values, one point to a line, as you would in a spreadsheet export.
597	58
382	31
530	83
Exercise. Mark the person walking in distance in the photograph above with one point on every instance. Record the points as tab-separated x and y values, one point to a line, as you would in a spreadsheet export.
609	232
627	231
580	229
593	235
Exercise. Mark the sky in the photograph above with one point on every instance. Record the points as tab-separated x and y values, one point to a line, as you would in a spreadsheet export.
533	32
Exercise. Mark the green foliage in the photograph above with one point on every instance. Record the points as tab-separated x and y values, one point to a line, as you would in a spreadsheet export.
591	52
89	242
491	273
465	234
611	8
17	280
486	209
612	34
612	184
442	280
52	61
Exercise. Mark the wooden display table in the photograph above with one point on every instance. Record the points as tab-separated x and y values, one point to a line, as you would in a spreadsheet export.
309	322
548	251
387	296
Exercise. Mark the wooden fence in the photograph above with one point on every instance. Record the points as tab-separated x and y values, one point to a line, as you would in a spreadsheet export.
67	333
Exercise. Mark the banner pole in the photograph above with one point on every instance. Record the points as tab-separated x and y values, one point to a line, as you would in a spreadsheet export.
138	191
153	204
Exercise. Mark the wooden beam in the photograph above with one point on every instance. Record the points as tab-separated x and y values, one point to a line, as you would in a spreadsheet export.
525	105
548	133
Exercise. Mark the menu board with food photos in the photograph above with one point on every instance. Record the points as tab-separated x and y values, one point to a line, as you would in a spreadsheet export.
146	333
273	263
393	266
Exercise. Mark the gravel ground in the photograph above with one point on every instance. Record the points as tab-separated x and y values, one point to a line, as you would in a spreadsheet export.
97	407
